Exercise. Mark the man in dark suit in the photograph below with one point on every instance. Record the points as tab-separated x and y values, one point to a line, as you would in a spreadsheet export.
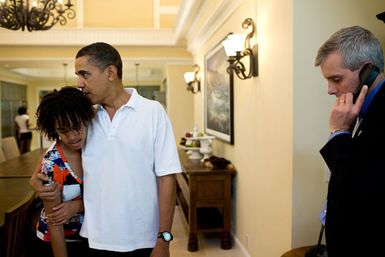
355	152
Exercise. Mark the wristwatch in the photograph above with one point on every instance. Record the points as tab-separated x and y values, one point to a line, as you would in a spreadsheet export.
166	236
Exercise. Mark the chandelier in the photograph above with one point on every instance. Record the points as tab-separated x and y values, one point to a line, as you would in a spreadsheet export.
137	74
43	15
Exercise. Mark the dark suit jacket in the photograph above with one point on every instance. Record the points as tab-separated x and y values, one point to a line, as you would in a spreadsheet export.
355	218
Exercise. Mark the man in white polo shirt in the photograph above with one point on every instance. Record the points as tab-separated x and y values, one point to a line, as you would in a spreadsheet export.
129	161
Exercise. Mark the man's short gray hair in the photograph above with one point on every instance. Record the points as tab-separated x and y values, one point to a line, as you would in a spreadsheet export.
357	46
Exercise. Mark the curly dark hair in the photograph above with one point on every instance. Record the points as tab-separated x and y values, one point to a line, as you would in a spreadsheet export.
68	107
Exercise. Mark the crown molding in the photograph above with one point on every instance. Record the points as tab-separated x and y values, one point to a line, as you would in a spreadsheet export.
187	11
76	36
220	14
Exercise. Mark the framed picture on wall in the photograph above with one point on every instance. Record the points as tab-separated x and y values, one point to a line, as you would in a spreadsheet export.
219	120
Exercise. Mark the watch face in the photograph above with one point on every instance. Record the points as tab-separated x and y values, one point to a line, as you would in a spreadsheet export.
167	236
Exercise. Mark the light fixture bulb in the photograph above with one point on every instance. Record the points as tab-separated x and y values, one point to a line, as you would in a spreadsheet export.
238	41
189	77
229	49
234	43
243	54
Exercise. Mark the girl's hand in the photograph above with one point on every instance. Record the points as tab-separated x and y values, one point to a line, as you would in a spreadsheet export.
65	211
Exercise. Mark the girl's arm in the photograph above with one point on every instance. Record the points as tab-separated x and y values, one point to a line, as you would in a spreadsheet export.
17	129
58	242
65	211
27	124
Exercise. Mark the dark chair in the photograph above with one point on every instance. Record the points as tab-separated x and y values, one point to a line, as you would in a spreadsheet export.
15	238
2	156
297	252
314	251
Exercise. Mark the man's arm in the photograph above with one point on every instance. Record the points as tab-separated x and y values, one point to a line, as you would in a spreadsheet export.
46	193
167	196
337	150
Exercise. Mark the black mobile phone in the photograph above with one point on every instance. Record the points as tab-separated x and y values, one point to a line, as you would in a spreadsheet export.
48	183
368	75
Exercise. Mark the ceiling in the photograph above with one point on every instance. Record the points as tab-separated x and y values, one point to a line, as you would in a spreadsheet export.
144	32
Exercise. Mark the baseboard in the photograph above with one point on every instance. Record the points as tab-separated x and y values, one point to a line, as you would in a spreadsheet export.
239	245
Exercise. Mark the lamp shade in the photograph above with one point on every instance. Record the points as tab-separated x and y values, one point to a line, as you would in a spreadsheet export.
189	76
234	43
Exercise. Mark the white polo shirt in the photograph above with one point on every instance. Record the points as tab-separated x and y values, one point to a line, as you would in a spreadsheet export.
121	160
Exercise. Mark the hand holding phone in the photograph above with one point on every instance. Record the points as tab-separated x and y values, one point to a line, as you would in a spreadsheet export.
368	75
48	182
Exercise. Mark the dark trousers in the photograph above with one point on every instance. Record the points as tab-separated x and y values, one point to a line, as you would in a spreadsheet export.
137	253
25	142
81	249
44	249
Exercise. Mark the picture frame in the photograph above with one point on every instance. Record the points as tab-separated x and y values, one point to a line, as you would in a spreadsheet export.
218	97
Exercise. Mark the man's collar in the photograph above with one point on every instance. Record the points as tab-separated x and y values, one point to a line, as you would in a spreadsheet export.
133	102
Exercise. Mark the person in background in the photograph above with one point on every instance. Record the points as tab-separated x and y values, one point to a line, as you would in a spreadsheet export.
129	162
63	117
24	134
352	62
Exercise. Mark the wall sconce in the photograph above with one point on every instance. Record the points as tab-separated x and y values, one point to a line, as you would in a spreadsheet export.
191	78
237	46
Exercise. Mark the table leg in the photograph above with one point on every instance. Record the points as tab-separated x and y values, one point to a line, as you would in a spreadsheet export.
225	240
192	242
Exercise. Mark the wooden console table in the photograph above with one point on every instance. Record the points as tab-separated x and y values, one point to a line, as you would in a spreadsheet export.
205	198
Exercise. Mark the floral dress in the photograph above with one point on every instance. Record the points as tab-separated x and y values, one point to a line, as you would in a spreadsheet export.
56	167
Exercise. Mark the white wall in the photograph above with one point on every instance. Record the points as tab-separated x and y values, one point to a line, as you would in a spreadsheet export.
179	100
